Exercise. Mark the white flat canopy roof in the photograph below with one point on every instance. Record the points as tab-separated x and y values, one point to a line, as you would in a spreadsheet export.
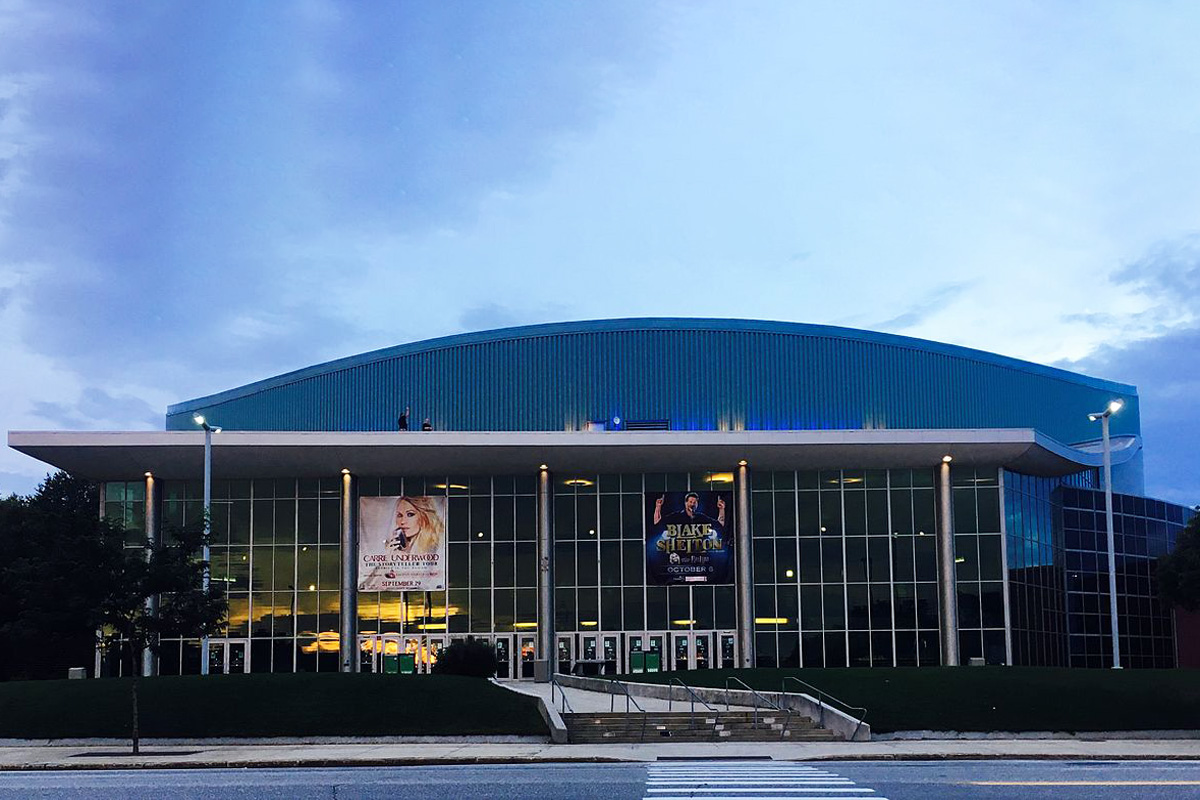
176	455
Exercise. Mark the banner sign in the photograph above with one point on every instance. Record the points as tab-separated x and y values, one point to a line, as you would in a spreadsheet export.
689	538
401	544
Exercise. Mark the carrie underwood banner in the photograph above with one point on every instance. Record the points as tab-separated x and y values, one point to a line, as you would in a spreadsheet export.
401	543
687	537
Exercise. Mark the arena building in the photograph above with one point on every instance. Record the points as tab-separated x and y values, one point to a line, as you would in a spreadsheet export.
638	494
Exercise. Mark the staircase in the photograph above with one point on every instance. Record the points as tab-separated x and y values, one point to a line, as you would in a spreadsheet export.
681	726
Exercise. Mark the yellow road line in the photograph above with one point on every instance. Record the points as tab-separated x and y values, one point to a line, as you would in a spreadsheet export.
1084	783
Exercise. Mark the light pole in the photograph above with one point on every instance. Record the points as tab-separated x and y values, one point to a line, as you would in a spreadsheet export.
1113	407
206	555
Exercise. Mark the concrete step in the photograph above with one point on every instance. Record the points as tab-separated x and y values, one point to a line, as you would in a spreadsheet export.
736	726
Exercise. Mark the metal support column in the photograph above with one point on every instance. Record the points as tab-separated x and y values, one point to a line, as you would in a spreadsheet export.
948	616
1114	624
151	523
1008	649
347	628
745	584
206	554
544	665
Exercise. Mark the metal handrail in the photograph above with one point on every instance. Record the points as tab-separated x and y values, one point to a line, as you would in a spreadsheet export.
693	697
821	698
566	705
612	696
752	691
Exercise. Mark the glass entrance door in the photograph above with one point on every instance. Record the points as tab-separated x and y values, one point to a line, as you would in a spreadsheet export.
565	661
504	654
528	656
681	651
611	655
228	656
726	650
702	650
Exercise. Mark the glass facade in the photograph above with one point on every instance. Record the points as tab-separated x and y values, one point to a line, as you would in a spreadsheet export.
844	566
1143	530
1058	573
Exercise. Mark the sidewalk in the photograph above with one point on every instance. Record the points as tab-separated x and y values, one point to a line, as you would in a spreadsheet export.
160	755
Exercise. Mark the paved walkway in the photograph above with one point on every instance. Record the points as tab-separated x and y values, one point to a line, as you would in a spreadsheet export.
399	753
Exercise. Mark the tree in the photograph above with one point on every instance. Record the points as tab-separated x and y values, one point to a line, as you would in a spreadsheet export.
171	571
1179	571
473	658
65	574
50	543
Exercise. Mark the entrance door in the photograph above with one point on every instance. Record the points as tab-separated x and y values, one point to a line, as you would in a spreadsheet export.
702	650
701	647
564	654
611	654
681	651
228	656
504	654
588	662
528	656
726	649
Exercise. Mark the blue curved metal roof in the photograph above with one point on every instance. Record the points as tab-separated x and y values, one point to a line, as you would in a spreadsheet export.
699	374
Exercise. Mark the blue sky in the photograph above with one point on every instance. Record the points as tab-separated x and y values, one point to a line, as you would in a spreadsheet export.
193	196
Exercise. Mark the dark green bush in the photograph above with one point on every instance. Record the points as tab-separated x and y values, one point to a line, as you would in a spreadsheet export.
470	657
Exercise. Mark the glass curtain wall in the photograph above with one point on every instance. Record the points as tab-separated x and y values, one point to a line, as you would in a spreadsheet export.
845	568
491	556
600	558
979	564
1143	530
1036	586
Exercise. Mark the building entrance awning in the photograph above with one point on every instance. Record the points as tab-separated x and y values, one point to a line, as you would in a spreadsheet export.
246	454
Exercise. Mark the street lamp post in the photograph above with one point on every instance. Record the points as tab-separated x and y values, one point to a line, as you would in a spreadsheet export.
1113	407
206	554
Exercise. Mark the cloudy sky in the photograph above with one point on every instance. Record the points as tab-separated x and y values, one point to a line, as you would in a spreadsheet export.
196	195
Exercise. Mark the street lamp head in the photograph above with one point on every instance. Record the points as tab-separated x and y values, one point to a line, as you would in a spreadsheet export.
198	419
1113	407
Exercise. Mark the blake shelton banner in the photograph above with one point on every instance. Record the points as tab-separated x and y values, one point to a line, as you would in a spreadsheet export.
401	544
689	538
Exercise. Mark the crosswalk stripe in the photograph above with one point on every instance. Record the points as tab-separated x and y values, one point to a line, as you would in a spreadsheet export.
848	790
754	781
733	780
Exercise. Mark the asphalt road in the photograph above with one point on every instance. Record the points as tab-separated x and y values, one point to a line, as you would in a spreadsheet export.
761	780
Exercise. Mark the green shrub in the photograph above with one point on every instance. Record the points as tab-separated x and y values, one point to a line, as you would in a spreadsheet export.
471	657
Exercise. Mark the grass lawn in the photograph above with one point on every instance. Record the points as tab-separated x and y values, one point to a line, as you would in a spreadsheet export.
267	705
992	698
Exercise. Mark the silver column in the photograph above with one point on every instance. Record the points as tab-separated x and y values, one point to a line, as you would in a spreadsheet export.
206	554
948	617
151	522
745	584
98	661
1112	549
544	666
1008	651
348	633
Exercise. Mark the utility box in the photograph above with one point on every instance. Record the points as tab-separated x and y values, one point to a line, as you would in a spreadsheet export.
77	673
